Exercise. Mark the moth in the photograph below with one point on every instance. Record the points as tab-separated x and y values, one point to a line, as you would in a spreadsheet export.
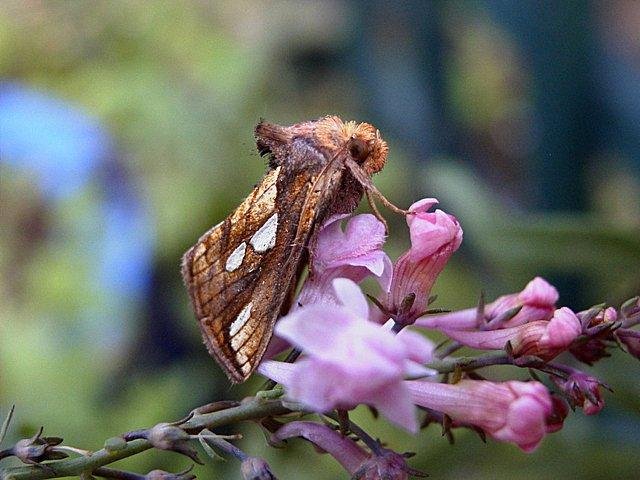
242	273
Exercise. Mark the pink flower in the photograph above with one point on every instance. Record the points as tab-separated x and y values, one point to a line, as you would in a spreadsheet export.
582	390
435	236
537	302
349	360
354	253
510	411
543	339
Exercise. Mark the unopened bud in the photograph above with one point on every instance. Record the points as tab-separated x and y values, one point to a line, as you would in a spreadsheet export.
37	449
255	468
167	436
630	311
386	465
581	390
162	475
631	340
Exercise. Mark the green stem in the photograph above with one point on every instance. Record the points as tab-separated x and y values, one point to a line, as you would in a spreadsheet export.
251	410
450	365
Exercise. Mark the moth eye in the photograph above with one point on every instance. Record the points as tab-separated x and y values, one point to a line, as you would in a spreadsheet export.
359	150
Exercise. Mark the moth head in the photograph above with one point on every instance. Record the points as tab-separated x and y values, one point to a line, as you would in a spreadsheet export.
361	141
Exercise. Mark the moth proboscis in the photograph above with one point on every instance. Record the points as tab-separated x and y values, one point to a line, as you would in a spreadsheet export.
241	273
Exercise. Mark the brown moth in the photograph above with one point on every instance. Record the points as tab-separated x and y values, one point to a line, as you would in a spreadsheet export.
241	273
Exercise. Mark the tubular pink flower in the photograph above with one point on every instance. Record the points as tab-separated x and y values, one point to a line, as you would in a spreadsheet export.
435	236
512	411
354	253
537	299
384	464
343	449
582	390
543	339
348	359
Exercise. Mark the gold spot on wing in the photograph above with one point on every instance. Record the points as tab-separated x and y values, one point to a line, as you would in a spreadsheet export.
240	338
241	358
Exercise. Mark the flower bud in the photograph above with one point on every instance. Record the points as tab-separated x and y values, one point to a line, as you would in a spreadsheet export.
37	449
582	391
630	339
630	312
597	319
167	436
386	465
162	475
597	324
255	468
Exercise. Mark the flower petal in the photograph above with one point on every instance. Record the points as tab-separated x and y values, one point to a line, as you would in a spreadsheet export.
280	372
315	328
350	295
396	404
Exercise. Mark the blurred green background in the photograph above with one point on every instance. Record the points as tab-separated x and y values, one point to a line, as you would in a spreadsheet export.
126	132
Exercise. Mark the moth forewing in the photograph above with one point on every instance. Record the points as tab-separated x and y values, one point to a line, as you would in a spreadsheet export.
241	272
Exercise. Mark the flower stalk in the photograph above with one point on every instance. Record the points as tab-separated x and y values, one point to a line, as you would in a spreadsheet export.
346	352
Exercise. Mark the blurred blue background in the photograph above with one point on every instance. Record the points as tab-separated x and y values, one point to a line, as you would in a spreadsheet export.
126	132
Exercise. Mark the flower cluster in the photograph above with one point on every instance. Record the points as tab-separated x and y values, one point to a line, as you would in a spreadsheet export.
354	352
351	350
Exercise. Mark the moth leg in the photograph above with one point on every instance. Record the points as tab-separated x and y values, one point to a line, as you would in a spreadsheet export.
310	249
376	212
370	188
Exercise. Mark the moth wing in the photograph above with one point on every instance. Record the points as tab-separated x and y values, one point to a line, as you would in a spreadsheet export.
240	272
